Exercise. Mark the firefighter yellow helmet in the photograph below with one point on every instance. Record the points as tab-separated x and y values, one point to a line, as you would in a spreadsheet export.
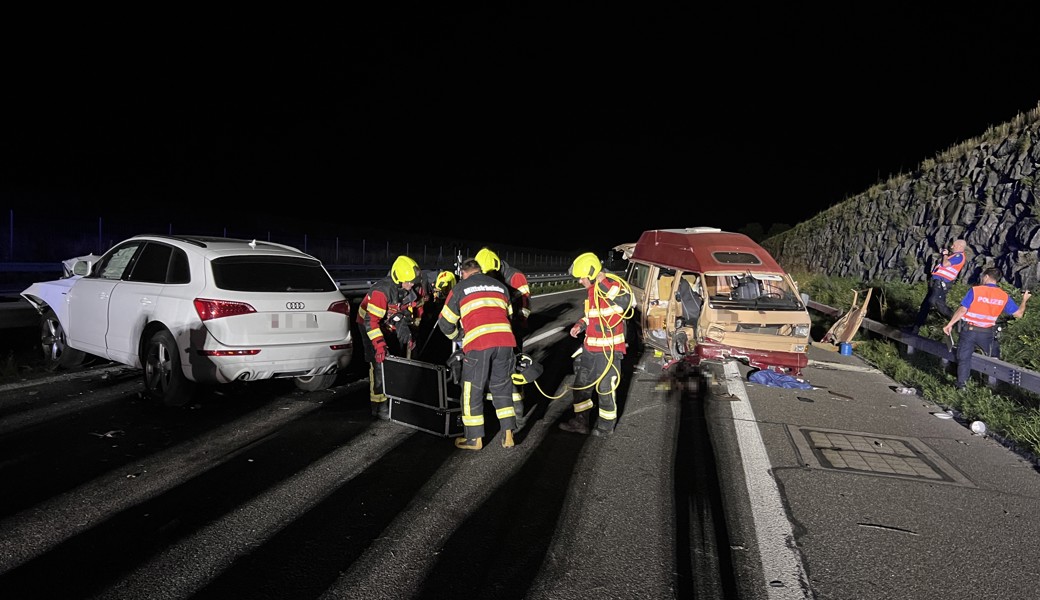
488	260
445	280
586	265
404	270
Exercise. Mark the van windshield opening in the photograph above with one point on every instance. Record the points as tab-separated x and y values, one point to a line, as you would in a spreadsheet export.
745	290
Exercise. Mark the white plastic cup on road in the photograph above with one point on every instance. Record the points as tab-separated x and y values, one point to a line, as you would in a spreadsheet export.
978	427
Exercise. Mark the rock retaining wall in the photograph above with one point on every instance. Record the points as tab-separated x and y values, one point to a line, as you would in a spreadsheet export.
986	191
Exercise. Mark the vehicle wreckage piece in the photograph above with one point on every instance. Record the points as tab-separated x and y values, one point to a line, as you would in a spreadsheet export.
845	328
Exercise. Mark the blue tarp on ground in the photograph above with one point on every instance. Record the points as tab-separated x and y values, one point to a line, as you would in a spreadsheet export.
767	377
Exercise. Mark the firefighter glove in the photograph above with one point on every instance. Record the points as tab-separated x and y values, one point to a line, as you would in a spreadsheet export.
455	365
577	328
380	354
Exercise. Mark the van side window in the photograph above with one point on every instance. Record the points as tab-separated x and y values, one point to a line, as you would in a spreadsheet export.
637	275
665	281
718	286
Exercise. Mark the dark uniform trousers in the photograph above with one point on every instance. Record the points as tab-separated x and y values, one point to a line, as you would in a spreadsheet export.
973	336
588	366
489	369
936	299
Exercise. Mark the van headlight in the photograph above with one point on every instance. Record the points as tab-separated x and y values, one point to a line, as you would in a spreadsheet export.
801	331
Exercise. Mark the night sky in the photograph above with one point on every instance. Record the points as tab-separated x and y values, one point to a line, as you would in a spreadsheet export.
549	127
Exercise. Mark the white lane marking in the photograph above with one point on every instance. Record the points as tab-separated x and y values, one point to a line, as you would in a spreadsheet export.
778	552
544	334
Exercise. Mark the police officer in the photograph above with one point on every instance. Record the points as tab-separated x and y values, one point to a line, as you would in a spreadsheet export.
979	309
943	276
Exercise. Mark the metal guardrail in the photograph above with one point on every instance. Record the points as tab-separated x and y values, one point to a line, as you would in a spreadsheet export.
994	368
15	311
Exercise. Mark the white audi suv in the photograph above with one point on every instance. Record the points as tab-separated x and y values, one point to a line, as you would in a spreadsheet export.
193	310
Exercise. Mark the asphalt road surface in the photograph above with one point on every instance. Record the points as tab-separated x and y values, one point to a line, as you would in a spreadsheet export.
711	487
262	491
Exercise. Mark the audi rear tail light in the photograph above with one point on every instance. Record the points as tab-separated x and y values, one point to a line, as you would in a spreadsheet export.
216	309
341	306
229	352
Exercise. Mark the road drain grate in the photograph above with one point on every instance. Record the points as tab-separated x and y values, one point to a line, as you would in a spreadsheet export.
873	454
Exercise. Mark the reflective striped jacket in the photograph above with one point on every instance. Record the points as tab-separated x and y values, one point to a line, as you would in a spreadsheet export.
604	322
478	308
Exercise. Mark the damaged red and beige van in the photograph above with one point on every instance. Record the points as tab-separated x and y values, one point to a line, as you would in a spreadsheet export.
707	294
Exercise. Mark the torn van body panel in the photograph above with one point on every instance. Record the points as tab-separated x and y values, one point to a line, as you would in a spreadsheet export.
707	294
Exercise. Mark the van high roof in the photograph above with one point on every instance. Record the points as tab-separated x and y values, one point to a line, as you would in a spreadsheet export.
704	249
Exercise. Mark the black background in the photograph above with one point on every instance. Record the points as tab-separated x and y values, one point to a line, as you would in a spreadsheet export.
563	128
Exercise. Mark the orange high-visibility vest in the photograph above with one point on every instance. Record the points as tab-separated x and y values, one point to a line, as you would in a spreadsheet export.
987	303
949	273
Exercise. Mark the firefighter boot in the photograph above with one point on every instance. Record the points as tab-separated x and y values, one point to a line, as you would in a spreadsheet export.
521	420
603	428
577	424
381	409
507	439
469	444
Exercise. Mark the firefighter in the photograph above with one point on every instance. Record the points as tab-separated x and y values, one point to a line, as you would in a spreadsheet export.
443	284
608	304
478	311
520	299
433	287
425	306
382	311
979	309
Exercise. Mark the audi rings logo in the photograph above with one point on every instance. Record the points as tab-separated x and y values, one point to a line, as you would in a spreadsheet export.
294	305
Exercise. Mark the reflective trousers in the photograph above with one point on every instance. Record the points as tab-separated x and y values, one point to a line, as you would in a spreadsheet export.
491	369
588	367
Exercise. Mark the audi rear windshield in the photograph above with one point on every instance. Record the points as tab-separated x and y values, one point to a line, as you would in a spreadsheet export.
271	274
